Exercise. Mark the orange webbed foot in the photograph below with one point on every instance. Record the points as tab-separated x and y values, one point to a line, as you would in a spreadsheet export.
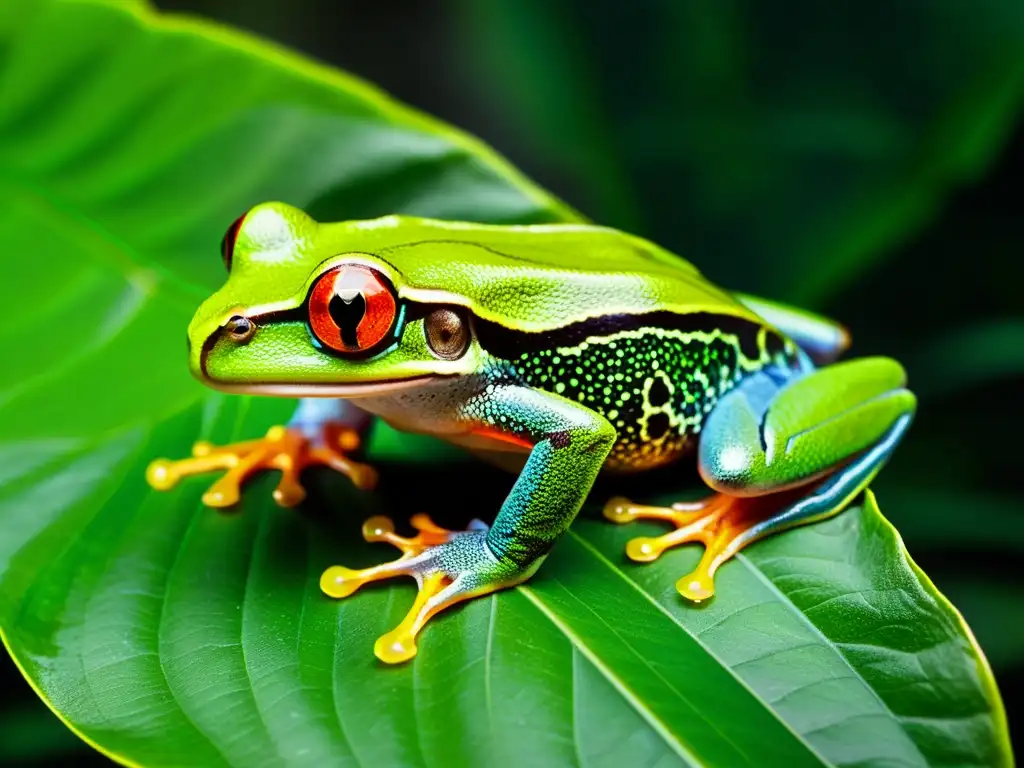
282	448
722	523
448	566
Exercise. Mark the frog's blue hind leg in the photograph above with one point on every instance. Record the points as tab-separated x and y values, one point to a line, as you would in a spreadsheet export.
781	451
322	431
568	444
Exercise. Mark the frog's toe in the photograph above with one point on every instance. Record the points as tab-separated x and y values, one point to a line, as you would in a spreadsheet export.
697	586
448	566
720	522
339	581
162	475
437	591
282	448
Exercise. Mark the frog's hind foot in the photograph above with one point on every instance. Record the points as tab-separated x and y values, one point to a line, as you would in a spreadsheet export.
283	448
720	522
449	567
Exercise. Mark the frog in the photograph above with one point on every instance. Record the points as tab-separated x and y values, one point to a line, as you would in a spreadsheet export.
560	351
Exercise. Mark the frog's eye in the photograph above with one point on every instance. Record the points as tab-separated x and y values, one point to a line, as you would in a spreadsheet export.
447	333
352	308
227	243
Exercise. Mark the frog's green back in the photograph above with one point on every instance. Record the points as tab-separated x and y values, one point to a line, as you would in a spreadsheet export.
532	277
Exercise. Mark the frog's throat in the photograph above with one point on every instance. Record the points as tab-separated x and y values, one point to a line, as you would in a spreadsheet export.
325	389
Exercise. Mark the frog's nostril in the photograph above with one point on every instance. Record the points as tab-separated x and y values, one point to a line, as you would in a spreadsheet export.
240	329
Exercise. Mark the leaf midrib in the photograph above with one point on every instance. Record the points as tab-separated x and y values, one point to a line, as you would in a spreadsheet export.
650	717
664	611
790	607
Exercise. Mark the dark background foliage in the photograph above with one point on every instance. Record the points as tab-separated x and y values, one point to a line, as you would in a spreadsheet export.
697	129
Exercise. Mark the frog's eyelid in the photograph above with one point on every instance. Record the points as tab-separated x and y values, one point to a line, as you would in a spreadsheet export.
227	243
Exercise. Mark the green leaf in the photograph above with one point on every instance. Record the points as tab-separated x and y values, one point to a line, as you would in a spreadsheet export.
788	147
166	634
970	541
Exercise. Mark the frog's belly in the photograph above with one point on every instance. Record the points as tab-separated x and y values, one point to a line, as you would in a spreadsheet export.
643	441
632	455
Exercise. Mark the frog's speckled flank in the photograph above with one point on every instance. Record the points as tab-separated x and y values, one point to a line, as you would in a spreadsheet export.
653	377
580	347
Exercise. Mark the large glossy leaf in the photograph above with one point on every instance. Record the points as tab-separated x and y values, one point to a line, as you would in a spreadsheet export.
168	634
788	146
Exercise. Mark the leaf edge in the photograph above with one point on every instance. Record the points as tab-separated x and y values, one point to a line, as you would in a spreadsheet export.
279	55
985	674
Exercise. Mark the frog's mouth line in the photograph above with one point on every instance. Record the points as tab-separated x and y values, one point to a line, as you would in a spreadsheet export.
349	391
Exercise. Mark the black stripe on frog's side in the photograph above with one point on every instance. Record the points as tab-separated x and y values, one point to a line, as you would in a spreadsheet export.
508	344
655	377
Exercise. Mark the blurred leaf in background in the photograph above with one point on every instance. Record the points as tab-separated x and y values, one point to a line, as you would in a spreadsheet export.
784	146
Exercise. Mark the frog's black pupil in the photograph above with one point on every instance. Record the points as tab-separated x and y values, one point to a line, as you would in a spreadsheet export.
347	315
227	243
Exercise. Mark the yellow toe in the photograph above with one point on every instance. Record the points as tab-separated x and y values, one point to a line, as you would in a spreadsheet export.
643	550
619	510
160	475
696	586
378	528
219	498
395	647
290	495
338	581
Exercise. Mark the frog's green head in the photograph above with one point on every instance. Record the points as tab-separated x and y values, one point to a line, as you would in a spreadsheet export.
304	314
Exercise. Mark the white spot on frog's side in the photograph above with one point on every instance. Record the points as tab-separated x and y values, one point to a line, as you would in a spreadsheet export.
734	460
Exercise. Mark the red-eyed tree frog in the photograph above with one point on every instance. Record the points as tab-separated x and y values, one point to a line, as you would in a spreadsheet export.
560	350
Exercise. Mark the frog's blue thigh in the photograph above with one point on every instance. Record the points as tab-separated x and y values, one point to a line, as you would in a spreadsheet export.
830	430
313	412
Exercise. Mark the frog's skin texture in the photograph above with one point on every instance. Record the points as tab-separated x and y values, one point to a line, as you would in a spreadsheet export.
559	351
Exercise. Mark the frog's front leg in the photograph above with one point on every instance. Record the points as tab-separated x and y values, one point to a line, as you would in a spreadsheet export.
568	444
321	432
781	452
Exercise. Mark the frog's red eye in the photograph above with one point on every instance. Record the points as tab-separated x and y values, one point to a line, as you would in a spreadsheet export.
352	308
227	244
